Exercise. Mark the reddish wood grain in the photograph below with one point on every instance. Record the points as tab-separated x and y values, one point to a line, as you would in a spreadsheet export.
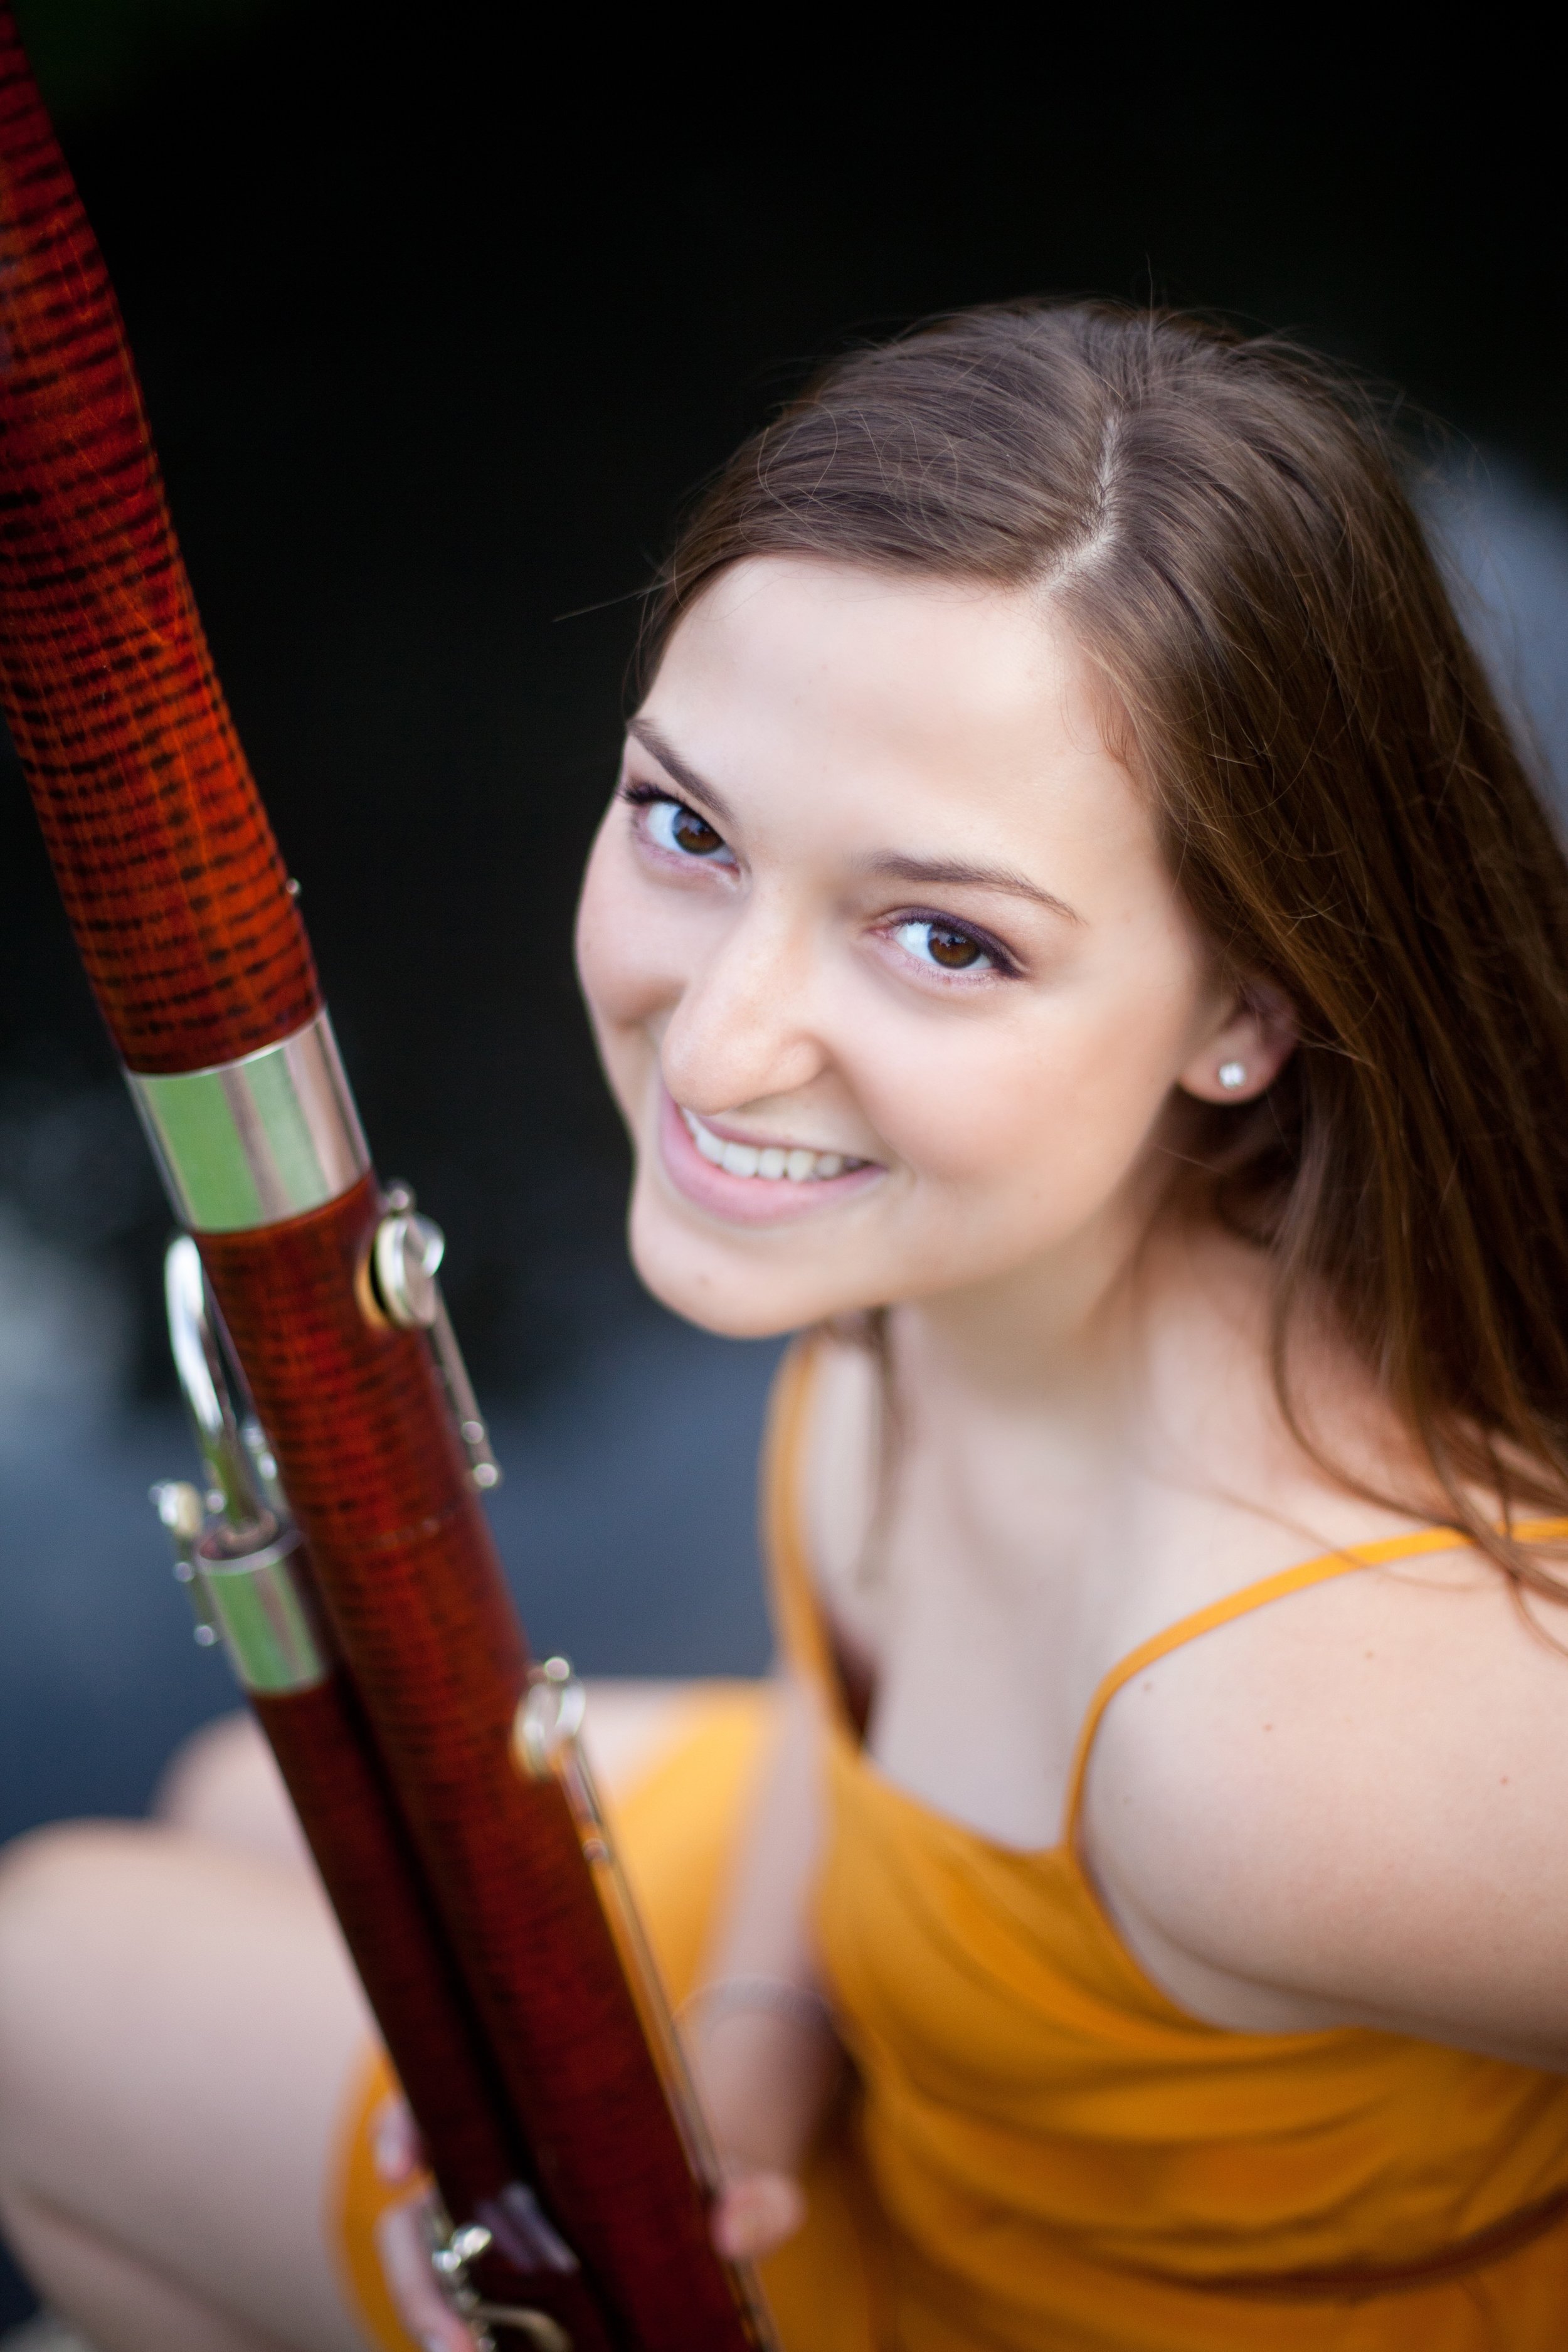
351	1819
416	1597
161	848
177	898
318	1738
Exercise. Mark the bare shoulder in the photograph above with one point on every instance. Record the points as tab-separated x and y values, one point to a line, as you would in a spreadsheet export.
1347	1807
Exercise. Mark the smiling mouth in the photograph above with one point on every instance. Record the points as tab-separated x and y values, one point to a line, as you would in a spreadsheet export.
773	1163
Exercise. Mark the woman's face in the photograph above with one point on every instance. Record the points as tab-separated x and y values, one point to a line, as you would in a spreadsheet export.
888	972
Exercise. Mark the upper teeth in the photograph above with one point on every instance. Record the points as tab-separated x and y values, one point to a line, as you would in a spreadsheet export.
773	1162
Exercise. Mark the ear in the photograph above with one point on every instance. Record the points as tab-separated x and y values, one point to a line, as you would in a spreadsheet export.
1246	1050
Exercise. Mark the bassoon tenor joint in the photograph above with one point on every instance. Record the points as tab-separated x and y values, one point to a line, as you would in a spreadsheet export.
547	1744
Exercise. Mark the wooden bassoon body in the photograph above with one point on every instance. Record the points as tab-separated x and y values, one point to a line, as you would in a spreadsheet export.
354	1577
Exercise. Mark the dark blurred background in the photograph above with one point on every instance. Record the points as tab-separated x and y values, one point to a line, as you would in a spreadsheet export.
438	318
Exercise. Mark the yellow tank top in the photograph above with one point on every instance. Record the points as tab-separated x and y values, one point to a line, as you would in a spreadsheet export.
1062	2160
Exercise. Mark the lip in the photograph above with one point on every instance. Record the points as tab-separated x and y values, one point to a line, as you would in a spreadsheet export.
747	1200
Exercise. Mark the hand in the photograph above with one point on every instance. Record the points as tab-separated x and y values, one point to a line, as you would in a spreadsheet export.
754	2213
402	2235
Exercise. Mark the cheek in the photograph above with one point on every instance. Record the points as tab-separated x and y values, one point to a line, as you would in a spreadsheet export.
595	928
623	977
1057	1099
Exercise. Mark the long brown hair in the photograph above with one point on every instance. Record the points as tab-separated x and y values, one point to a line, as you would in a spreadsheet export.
1223	523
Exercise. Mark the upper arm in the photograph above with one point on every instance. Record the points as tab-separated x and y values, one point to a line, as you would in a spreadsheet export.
1350	1811
839	1474
765	1926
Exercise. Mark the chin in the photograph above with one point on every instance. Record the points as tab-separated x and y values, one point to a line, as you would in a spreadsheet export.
704	1284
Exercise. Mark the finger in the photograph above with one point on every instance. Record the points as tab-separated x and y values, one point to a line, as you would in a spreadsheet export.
394	2141
755	2214
402	2240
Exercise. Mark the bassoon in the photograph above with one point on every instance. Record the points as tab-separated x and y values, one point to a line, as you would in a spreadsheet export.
339	1546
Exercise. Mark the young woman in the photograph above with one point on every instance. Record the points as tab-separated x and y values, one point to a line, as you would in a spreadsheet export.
1073	937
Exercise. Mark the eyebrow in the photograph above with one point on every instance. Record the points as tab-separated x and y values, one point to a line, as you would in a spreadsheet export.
670	761
937	871
956	874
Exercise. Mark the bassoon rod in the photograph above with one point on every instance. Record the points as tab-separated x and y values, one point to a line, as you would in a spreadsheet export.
513	2023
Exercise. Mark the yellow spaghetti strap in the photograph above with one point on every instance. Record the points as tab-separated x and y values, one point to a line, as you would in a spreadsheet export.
803	1635
1256	1596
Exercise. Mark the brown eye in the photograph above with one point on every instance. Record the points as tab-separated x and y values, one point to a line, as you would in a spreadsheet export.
694	834
930	941
954	951
670	826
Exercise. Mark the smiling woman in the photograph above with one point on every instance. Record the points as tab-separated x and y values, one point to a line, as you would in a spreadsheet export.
1071	938
753	961
1063	798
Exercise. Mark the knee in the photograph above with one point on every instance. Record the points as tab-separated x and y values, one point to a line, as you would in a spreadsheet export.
222	1783
197	1774
45	1879
51	1912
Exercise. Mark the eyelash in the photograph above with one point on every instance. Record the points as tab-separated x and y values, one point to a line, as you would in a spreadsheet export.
1004	965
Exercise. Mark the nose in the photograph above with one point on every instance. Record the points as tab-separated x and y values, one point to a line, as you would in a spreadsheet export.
743	1029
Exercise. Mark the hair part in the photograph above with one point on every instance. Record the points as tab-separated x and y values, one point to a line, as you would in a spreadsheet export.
1222	522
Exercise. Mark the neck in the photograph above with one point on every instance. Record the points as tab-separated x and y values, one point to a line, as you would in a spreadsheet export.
1059	1332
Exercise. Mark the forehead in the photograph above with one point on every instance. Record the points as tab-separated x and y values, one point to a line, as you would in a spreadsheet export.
950	698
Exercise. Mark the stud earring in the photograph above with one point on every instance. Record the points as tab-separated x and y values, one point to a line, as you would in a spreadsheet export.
1232	1075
